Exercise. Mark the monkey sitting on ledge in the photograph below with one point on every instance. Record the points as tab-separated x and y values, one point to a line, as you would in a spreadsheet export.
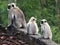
16	16
32	27
45	29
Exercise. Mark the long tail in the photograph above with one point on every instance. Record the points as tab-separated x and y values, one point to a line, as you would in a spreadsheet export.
13	20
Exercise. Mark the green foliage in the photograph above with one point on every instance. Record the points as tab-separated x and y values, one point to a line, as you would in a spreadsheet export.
56	34
30	8
3	12
34	8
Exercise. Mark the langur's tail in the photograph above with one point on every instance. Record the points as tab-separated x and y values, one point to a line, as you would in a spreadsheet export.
13	20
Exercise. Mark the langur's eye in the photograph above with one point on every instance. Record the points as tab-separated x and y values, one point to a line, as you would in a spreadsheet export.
12	5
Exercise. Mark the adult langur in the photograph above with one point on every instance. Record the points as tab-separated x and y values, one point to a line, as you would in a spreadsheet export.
16	16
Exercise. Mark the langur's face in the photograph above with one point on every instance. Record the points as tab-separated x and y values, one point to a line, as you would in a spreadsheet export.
44	21
33	19
11	6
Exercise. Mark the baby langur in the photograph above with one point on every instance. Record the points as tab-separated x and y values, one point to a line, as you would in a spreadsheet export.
45	29
32	27
16	14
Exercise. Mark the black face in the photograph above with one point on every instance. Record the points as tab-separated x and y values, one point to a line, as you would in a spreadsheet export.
33	19
9	7
12	5
43	22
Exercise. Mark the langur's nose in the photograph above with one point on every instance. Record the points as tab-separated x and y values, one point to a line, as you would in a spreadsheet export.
9	7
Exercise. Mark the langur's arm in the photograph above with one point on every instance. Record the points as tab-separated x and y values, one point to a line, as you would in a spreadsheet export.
41	29
28	25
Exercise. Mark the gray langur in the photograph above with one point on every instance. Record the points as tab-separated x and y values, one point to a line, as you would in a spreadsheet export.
32	27
16	14
45	29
